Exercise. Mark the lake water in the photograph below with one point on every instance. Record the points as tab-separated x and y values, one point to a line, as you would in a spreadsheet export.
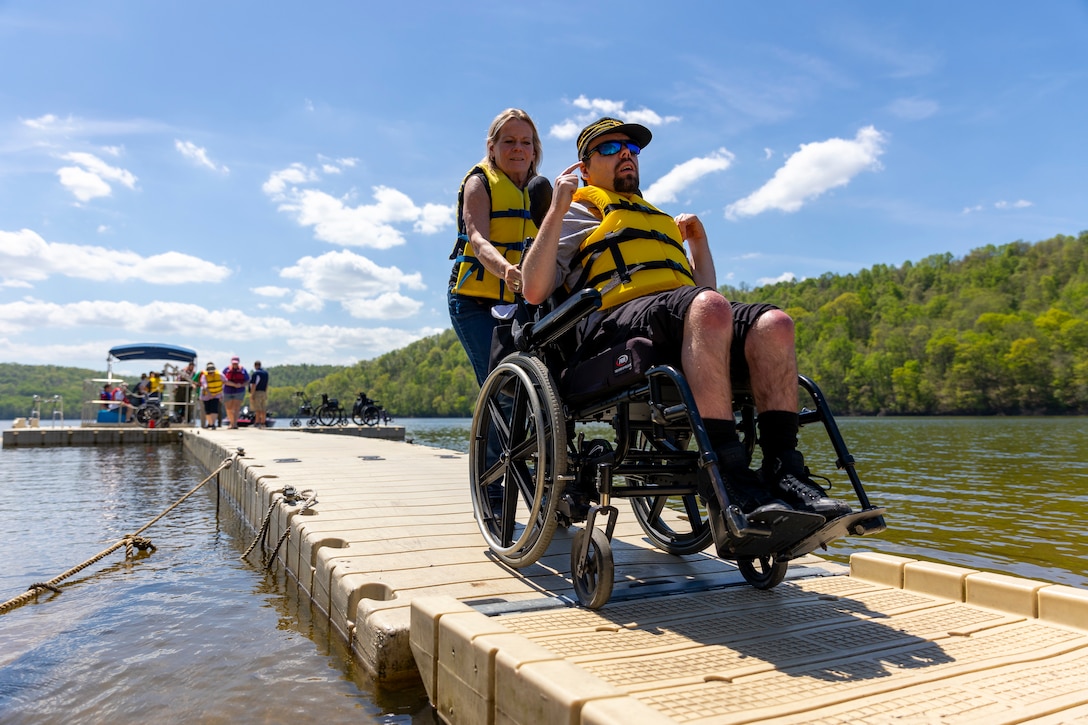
192	634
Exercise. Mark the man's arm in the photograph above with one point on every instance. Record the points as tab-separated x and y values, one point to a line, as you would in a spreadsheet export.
702	261
538	267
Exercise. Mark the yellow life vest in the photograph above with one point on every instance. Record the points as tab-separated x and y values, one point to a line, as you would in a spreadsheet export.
511	228
214	382
637	249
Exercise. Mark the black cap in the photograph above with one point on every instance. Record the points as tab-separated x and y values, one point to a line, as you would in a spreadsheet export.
636	132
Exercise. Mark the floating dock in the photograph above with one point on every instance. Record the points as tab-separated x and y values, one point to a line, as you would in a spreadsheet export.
115	435
390	554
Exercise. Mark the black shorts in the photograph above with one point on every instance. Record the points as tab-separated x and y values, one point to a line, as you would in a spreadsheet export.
660	317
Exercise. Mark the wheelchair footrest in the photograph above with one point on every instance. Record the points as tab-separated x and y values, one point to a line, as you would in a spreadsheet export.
859	523
779	530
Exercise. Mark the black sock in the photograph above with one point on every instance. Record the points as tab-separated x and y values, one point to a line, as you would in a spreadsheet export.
777	434
721	432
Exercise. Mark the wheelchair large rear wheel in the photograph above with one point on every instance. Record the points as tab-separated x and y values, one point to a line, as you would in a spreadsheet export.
517	459
675	524
326	415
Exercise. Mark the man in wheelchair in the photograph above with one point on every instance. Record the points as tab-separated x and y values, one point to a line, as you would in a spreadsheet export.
604	235
658	354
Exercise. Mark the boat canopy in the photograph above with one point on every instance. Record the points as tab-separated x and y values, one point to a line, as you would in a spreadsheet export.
152	351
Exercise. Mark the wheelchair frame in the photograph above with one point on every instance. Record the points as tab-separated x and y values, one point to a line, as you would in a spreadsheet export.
530	472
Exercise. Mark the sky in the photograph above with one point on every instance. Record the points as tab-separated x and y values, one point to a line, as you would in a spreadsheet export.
278	180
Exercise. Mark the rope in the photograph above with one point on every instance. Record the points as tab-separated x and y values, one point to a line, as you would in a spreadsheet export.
129	541
289	496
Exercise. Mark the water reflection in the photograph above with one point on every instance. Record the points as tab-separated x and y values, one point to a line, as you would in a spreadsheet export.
188	634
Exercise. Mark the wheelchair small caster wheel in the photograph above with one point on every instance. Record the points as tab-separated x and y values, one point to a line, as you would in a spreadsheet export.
763	572
592	578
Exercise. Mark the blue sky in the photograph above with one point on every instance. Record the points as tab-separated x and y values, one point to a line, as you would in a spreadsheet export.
277	180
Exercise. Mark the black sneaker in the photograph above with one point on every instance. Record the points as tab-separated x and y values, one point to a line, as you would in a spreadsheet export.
789	478
745	488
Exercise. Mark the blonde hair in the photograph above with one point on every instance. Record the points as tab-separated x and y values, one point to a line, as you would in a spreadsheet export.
496	128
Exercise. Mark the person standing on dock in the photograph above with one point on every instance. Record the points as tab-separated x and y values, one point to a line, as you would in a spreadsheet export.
211	391
258	394
235	378
495	222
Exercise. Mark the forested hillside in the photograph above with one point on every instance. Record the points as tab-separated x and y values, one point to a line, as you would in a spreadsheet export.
429	378
1002	331
20	383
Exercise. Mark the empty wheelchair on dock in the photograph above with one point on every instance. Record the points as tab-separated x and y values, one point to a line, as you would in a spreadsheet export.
533	469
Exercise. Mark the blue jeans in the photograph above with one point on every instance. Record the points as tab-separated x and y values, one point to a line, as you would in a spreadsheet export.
474	325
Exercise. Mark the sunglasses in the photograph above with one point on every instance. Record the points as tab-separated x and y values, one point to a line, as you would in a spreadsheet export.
611	148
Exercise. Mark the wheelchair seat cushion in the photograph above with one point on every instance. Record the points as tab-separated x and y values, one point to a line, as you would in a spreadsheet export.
618	367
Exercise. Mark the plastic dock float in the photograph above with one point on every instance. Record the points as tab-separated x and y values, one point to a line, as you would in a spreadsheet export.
391	556
115	436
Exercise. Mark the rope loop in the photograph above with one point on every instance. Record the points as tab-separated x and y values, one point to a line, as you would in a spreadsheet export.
129	541
138	542
37	586
289	496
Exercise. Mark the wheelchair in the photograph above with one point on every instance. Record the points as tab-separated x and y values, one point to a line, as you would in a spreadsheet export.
531	470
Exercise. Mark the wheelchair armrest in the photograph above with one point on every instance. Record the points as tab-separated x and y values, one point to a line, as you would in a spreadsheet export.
558	321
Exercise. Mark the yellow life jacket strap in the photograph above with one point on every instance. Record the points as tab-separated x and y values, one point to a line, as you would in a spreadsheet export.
587	256
476	267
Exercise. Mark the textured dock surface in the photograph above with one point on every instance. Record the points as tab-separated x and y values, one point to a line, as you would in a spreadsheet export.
391	554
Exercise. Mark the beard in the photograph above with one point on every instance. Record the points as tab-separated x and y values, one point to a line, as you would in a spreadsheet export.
626	184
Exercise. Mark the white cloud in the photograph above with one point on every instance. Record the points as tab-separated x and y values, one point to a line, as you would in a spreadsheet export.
811	171
82	183
186	322
1018	204
434	218
388	306
269	290
362	288
51	124
26	257
592	109
90	178
913	109
191	151
668	187
784	277
366	225
304	301
566	130
278	181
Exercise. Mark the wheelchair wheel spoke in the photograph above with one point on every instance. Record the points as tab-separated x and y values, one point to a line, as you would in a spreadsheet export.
513	458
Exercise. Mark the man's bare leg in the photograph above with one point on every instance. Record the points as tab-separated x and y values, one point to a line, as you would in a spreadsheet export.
708	333
772	363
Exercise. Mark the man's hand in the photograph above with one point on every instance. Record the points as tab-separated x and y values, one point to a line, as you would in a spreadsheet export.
702	262
691	229
565	186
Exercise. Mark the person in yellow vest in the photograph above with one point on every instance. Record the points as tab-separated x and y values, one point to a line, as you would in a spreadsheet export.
211	392
495	223
657	280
